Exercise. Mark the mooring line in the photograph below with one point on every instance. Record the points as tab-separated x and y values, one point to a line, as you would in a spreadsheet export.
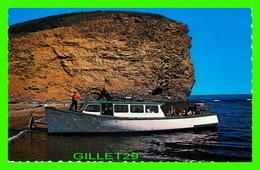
16	136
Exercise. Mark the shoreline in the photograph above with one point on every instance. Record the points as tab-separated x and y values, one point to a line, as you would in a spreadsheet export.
19	113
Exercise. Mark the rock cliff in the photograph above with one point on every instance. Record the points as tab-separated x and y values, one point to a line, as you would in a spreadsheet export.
120	54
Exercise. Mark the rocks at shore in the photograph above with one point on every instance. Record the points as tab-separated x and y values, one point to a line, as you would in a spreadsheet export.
127	54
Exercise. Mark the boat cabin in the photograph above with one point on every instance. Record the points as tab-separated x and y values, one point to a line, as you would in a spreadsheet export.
123	109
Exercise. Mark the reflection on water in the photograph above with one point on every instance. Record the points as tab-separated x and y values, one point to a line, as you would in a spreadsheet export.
200	145
170	146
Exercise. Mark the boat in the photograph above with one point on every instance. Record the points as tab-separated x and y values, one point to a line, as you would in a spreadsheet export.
103	116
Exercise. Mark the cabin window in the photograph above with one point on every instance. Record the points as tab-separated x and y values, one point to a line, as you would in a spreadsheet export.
121	108
107	109
151	109
137	108
93	108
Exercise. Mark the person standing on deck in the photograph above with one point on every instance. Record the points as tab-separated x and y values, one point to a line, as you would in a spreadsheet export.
75	99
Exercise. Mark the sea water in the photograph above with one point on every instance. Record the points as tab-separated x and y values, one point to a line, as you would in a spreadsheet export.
230	142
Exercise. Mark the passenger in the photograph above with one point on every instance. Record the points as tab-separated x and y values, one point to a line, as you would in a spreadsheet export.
169	113
189	113
75	99
172	112
180	113
184	113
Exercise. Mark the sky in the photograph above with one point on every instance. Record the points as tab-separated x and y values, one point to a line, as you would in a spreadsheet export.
221	42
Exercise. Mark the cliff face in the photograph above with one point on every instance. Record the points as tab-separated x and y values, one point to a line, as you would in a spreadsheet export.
138	55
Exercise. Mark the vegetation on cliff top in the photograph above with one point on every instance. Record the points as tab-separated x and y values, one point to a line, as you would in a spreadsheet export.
66	20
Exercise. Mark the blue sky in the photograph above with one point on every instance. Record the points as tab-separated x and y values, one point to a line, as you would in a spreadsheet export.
221	42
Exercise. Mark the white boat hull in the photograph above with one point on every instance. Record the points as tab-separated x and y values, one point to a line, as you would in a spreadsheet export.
64	121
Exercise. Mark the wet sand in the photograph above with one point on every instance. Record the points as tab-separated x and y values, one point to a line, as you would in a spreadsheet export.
19	114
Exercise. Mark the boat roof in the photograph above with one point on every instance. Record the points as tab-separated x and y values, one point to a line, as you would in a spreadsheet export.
125	102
